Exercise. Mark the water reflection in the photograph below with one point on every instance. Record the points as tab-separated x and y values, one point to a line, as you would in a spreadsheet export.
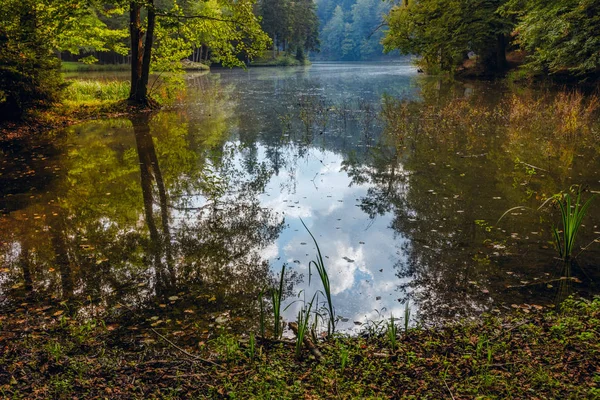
138	216
201	204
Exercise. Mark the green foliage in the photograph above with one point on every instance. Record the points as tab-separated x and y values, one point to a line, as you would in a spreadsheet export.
560	37
444	32
31	33
29	73
229	28
292	25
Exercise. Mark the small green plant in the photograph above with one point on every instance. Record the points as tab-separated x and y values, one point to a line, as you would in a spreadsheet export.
227	345
344	355
320	267
572	214
303	318
55	350
277	297
571	217
392	333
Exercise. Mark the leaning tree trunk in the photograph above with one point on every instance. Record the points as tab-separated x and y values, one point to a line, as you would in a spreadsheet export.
141	52
135	33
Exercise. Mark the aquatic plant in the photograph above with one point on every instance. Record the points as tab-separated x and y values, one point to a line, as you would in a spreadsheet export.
320	267
572	215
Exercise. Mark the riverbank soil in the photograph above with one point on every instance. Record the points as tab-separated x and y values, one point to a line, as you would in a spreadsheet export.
45	352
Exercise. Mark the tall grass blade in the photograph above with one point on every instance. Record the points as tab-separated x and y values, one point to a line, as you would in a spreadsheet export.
392	332
320	267
277	297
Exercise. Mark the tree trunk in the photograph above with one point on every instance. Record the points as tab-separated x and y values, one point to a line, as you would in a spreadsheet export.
501	62
135	33
141	51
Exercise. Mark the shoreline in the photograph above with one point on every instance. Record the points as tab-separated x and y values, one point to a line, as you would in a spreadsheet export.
523	355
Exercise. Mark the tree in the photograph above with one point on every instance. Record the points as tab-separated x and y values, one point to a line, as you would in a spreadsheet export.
293	25
560	37
444	32
360	22
32	32
333	34
232	24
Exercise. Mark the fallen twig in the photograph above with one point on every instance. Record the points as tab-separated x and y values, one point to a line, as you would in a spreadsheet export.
307	342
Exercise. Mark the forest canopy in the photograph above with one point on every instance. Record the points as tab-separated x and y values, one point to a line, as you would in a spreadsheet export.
557	37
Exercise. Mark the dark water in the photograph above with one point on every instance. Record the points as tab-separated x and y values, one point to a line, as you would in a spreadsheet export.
190	212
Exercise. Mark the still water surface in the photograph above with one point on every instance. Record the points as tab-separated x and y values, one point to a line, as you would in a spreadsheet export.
192	211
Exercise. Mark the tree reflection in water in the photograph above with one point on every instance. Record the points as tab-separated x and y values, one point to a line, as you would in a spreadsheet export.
118	228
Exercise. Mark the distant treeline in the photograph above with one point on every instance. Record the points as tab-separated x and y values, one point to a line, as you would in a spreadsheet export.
351	29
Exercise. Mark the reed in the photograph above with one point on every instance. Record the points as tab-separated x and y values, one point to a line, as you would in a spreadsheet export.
322	271
303	318
392	333
277	297
572	214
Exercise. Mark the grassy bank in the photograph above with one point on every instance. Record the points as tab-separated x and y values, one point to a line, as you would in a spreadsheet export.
47	353
82	100
74	66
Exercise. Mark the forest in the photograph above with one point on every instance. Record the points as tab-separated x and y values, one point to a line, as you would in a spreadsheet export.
287	199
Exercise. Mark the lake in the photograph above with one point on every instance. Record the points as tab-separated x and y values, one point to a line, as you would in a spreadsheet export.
190	213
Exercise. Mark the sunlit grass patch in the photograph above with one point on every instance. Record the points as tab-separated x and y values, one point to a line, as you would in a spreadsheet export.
74	66
88	91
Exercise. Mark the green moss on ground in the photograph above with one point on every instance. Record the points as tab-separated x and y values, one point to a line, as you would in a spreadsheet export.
46	354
